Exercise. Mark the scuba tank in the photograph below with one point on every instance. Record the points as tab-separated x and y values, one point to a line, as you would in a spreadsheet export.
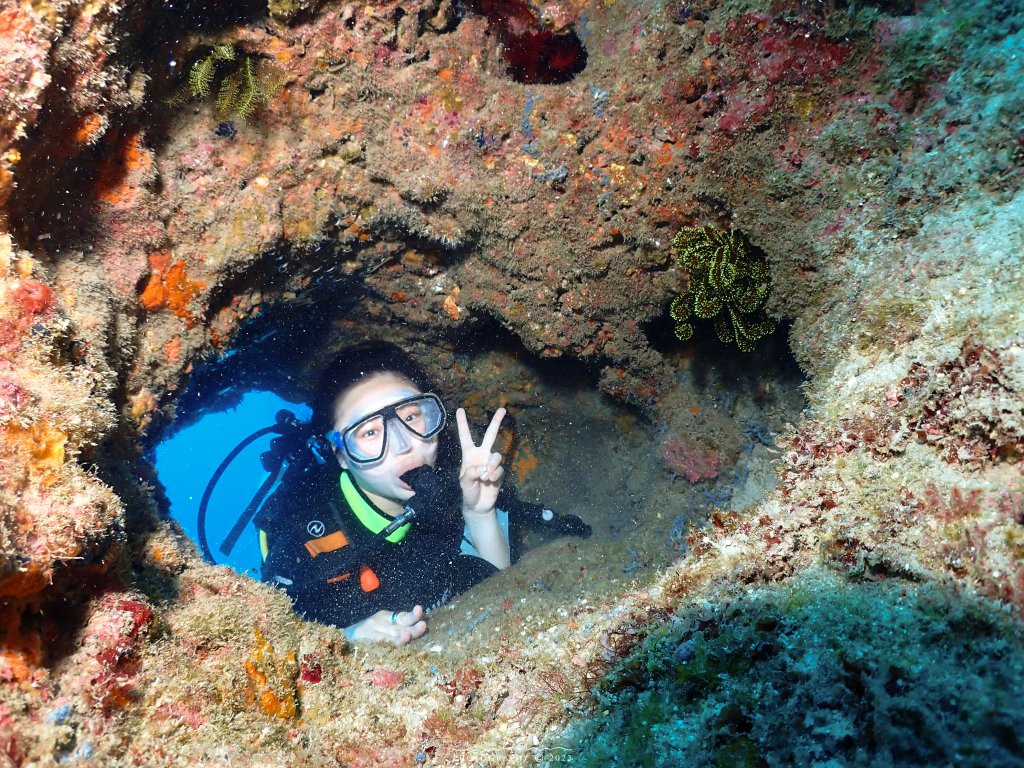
295	445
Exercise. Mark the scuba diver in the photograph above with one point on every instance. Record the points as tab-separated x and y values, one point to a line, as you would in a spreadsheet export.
391	527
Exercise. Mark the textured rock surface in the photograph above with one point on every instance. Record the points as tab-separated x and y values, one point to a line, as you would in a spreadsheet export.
402	179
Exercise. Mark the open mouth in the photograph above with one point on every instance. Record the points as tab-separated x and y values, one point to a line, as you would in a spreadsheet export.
403	470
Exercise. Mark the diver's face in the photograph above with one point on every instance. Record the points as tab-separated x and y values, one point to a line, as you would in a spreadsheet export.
380	480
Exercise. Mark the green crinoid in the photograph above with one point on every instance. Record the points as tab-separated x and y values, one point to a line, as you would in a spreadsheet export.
245	89
240	89
200	77
728	284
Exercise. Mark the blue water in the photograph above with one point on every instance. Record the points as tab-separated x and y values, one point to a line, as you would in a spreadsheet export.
186	461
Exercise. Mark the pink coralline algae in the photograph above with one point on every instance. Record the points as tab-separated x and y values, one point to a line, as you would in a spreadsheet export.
386	678
32	296
689	460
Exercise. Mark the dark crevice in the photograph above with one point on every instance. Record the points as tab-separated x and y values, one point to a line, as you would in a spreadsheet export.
535	49
711	361
486	334
544	57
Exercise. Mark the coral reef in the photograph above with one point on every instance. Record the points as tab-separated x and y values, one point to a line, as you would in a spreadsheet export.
855	673
402	181
725	276
42	402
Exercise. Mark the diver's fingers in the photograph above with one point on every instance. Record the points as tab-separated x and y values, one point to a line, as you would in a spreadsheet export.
490	472
407	618
411	633
465	438
492	430
492	460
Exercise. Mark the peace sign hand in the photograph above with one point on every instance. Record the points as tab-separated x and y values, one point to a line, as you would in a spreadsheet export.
481	474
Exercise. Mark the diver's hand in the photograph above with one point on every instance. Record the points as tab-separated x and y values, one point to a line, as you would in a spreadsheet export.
481	474
398	627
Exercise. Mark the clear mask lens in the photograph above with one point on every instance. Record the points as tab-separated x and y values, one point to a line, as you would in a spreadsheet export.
366	440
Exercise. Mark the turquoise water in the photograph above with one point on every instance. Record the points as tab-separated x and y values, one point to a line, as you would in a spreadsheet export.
187	459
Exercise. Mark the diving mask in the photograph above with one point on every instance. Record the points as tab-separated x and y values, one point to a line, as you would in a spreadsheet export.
366	441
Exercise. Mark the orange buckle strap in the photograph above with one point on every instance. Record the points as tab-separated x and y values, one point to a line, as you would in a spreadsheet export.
368	579
324	544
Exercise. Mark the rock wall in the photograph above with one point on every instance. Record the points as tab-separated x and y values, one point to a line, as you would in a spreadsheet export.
412	157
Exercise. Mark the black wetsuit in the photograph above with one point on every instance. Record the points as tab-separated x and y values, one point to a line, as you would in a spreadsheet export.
338	572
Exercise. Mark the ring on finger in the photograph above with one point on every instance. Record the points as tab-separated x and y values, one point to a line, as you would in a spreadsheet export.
394	617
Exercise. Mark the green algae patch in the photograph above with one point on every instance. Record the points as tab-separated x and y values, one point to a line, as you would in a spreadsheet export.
815	671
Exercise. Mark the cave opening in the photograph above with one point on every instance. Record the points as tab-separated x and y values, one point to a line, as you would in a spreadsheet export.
642	481
713	366
274	363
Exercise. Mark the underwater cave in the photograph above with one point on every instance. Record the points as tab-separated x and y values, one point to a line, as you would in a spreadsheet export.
745	280
565	443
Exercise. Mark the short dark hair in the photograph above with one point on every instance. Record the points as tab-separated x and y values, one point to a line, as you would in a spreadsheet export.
352	365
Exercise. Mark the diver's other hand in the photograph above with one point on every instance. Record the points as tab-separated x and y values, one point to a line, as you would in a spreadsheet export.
481	474
398	627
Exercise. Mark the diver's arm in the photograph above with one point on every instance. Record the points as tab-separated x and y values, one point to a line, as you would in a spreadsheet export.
481	477
486	534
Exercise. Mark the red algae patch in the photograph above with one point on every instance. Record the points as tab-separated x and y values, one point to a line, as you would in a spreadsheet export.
386	678
690	460
32	297
311	671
